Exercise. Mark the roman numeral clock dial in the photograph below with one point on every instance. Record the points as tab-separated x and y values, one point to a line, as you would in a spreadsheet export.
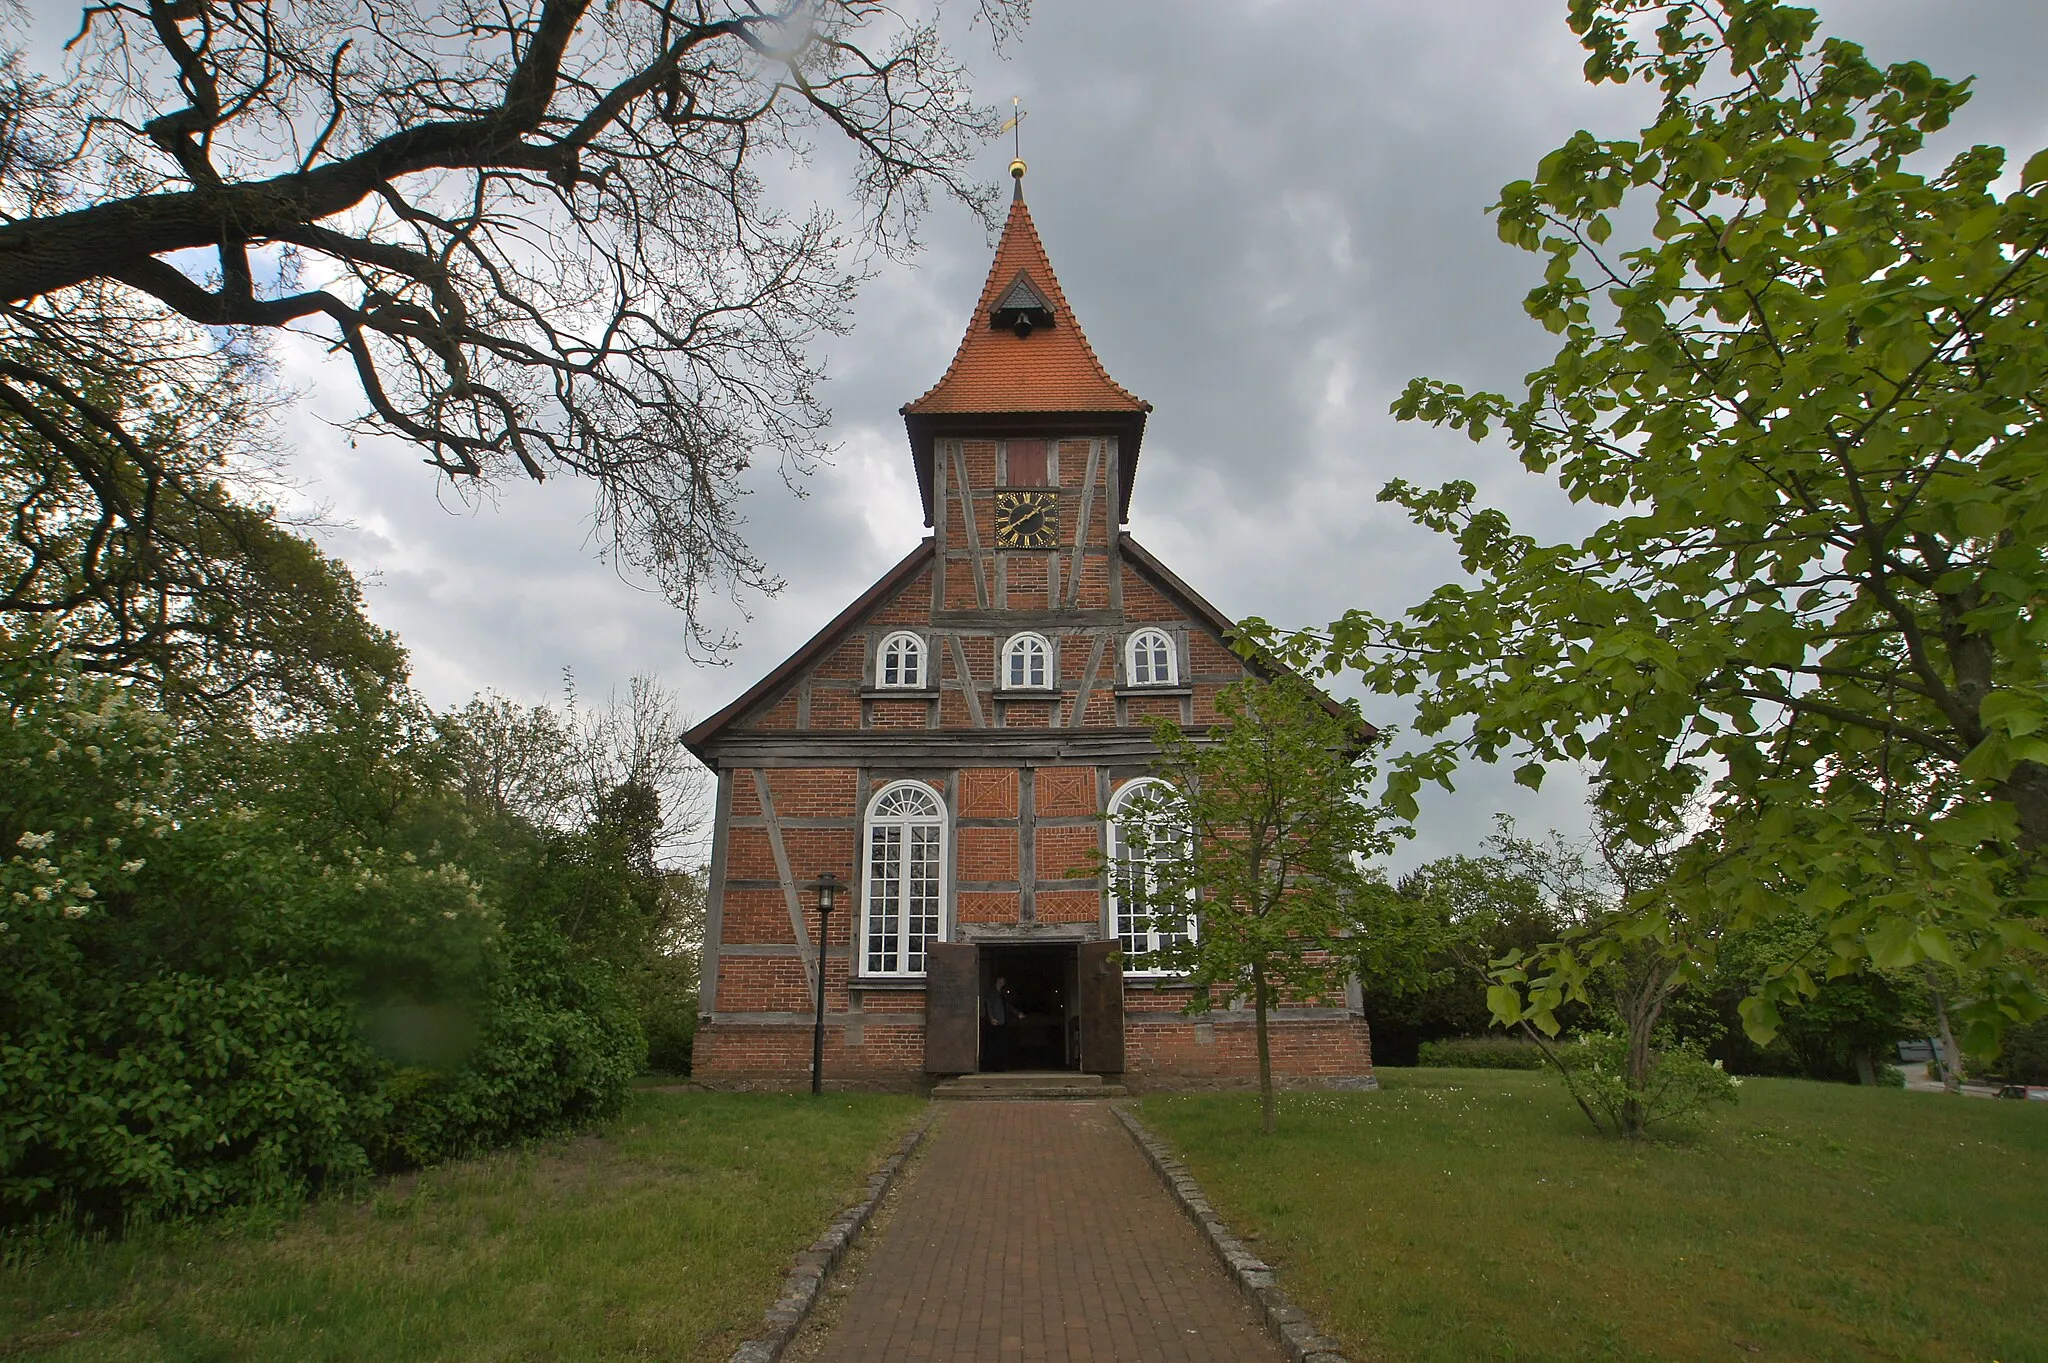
1027	519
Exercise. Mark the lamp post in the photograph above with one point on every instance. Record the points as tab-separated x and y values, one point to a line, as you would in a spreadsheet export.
827	887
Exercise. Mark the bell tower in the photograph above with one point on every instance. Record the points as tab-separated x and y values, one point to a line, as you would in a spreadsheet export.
1025	449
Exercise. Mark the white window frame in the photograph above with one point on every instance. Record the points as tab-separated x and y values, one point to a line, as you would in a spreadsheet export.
1138	947
901	955
912	646
1015	646
1135	649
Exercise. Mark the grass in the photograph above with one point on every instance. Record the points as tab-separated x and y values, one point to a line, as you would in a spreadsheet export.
1472	1214
664	1236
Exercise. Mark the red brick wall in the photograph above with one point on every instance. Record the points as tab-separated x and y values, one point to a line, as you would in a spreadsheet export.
1169	1049
1065	853
849	661
901	714
1161	1050
732	1055
810	792
987	854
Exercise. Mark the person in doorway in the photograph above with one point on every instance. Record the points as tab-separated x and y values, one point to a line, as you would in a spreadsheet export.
1001	1010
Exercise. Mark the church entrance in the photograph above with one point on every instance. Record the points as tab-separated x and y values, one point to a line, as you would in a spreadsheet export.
1027	1017
1068	999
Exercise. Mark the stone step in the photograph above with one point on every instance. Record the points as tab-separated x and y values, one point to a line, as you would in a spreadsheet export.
1026	1078
1028	1084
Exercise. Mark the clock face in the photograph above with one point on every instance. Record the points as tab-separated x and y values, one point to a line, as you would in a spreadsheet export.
1027	519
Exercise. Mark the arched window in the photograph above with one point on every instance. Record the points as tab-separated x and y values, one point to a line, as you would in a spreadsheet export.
1149	659
1027	661
901	661
1145	829
902	893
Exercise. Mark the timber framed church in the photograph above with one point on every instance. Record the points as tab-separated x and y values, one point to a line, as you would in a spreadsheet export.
948	748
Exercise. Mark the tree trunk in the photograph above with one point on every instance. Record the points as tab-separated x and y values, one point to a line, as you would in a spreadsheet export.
1641	1018
1571	1085
1951	1058
2027	788
1866	1067
1265	1048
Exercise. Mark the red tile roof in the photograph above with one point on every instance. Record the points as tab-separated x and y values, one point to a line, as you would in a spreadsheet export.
1051	370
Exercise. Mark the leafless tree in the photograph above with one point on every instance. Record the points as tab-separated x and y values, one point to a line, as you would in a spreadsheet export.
536	229
635	741
563	767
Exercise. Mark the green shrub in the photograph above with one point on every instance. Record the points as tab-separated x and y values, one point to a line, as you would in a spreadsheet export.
196	1010
1681	1083
1481	1053
556	1046
667	991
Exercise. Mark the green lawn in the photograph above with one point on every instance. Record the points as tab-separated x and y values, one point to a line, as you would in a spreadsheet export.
1470	1214
663	1237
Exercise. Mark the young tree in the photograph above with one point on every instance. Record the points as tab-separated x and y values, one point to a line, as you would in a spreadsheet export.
1260	844
1813	387
1631	945
536	231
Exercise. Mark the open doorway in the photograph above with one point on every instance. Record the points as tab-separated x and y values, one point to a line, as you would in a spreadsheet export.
1032	989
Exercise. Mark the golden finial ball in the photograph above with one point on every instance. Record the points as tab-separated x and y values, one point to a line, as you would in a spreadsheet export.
1017	169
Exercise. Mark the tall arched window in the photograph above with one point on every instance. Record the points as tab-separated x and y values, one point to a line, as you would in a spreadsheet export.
902	896
901	661
1149	659
1027	661
1145	829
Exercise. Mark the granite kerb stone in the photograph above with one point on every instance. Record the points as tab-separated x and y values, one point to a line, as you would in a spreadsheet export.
1289	1324
809	1270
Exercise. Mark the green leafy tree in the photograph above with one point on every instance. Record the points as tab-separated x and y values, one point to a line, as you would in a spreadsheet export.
133	538
1453	918
1260	841
1806	374
1844	1031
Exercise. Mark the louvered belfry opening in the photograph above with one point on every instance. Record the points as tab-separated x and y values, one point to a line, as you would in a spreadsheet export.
1022	308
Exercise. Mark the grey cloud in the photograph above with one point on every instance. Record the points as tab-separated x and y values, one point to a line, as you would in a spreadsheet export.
1268	218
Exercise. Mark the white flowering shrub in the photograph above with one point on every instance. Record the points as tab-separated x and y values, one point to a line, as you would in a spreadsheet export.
1679	1083
204	1002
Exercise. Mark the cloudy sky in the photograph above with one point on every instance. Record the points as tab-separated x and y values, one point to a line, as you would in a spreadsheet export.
1268	216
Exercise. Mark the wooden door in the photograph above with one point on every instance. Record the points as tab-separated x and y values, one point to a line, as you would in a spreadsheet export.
1102	1007
952	1008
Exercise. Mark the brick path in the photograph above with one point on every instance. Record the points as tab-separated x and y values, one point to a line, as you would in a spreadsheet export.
1035	1232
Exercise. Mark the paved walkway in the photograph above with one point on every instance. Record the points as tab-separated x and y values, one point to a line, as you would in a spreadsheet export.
1036	1232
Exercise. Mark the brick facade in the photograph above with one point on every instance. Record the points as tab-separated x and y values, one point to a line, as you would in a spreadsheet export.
1022	775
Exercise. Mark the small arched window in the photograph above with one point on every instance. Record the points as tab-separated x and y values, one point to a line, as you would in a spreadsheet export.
1149	659
901	661
1146	830
902	894
1027	662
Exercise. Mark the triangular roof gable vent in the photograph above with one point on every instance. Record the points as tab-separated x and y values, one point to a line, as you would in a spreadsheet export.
1022	308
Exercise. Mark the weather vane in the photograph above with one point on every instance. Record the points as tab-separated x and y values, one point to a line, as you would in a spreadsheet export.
1015	127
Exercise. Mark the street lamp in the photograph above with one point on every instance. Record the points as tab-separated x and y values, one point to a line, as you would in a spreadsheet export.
827	887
